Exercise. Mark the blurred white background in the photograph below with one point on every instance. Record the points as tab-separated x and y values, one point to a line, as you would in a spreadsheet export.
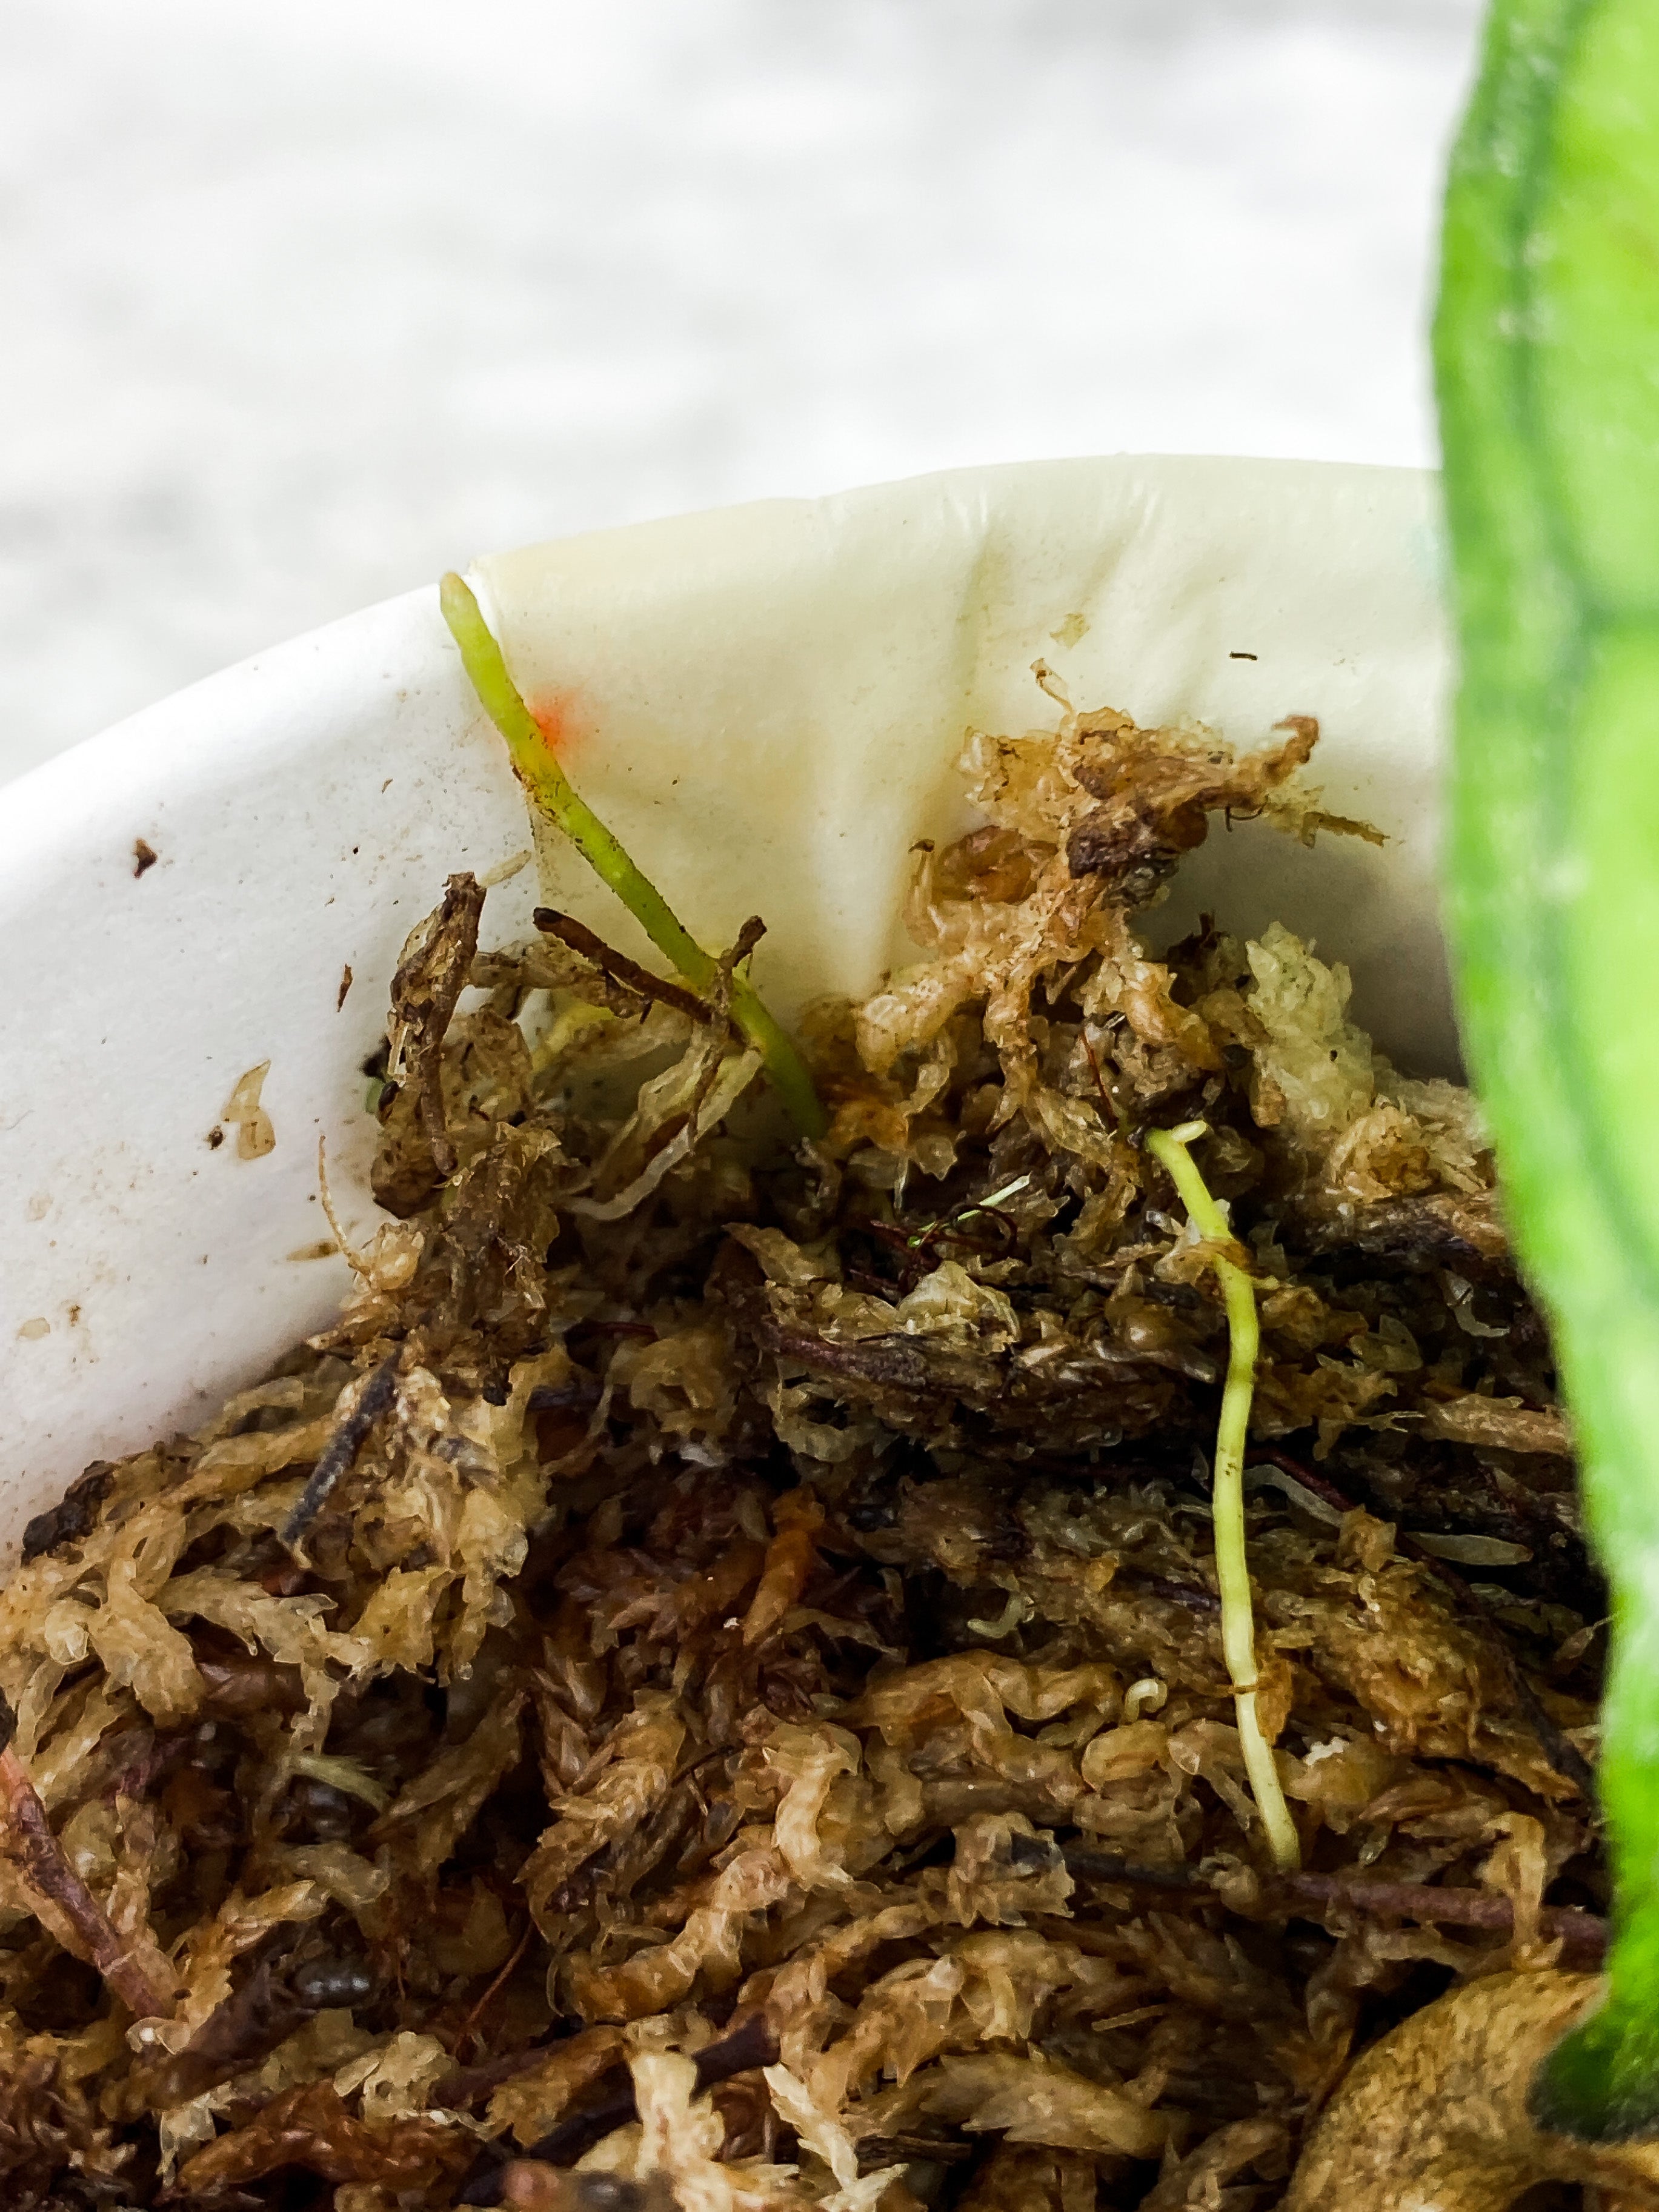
306	303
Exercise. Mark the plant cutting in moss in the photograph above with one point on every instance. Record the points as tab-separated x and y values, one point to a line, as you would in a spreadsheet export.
1169	1147
1547	359
552	793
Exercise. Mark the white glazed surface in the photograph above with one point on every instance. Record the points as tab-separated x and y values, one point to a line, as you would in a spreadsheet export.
766	703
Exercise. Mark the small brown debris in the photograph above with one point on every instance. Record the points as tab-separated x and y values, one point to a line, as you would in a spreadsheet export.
215	1137
73	1515
345	985
418	1156
255	1135
144	855
504	870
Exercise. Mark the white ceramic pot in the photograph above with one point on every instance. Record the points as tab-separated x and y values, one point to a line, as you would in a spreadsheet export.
766	703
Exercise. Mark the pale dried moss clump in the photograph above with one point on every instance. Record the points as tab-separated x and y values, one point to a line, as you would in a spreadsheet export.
704	1687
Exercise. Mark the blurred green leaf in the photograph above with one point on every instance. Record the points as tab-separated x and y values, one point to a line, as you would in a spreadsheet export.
1546	345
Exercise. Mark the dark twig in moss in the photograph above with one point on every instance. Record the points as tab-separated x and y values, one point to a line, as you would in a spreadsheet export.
277	1997
752	2043
374	1396
470	2030
66	1906
617	965
1582	1935
989	1205
470	2085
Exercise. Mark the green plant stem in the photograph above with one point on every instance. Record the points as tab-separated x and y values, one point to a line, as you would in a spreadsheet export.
1169	1148
551	793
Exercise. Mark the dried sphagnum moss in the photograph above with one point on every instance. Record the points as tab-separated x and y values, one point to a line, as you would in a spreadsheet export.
741	1710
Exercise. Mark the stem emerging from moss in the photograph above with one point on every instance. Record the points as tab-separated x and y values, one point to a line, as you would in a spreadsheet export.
1169	1148
551	791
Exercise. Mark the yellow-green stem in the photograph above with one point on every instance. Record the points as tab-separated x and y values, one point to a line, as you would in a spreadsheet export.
551	792
1169	1148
